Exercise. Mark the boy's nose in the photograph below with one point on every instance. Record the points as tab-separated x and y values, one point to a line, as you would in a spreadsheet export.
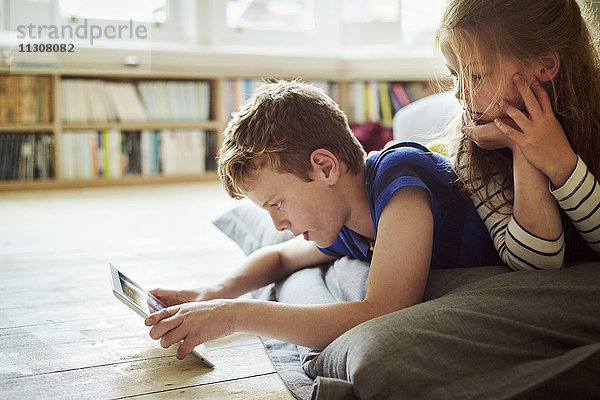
282	226
280	223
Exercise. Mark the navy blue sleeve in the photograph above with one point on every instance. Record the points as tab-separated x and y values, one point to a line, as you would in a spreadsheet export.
406	166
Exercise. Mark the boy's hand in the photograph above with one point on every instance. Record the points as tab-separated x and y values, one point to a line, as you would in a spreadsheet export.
193	323
174	297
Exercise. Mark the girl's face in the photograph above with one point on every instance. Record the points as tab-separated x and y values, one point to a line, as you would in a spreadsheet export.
481	91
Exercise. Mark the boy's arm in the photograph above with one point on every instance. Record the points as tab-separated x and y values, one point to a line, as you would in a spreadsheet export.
270	264
397	280
266	265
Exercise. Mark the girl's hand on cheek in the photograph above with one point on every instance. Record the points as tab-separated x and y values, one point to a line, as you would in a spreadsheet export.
539	135
192	323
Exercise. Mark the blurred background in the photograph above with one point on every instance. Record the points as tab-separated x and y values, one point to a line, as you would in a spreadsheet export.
113	92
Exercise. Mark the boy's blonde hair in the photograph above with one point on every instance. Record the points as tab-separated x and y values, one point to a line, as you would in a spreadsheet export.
279	127
481	31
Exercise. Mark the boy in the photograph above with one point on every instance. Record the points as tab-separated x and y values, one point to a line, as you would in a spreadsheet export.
290	151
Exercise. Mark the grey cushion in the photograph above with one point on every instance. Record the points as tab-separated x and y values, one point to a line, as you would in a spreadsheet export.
501	335
480	333
250	227
424	120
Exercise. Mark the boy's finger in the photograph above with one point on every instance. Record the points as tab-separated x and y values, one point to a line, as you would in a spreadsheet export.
171	337
186	347
157	292
164	326
160	315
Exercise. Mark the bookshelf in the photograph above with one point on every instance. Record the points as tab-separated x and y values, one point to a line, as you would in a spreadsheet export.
85	128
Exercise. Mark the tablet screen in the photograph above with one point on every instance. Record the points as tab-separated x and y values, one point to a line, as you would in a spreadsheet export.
139	296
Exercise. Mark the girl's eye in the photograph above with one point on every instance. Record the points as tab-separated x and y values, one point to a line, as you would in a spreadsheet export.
476	77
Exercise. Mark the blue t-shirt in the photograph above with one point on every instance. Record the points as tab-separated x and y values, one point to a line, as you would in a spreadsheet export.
460	238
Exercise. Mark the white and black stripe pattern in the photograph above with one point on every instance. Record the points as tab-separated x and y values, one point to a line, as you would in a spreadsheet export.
517	247
579	197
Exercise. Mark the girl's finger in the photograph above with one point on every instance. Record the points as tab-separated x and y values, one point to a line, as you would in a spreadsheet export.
508	130
516	115
529	98
542	96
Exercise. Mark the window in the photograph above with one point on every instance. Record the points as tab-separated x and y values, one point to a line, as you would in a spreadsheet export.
134	24
116	10
417	32
326	24
323	27
371	23
271	15
371	11
256	24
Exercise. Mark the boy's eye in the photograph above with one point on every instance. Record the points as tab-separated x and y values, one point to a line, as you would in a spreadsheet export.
276	205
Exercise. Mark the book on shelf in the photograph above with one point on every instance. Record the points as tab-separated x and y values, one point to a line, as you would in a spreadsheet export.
378	101
26	156
114	154
372	101
176	100
385	103
25	99
238	90
95	100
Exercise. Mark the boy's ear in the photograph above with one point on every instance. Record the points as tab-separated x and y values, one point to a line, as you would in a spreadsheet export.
325	164
548	67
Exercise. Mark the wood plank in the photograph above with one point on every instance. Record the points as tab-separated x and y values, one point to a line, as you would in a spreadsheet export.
57	347
137	377
62	287
63	333
261	387
26	128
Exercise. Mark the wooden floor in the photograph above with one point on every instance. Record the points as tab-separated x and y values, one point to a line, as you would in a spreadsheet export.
62	332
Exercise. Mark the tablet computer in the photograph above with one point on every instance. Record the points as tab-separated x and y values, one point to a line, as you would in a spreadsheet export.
143	302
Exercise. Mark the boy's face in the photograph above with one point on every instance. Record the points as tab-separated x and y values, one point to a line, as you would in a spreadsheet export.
304	208
489	85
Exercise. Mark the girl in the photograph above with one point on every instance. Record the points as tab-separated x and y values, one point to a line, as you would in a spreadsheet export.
527	75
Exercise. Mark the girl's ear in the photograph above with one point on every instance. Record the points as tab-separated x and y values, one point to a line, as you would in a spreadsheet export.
548	67
326	165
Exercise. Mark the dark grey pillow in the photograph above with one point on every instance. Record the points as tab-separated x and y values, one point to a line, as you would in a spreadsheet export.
473	315
250	227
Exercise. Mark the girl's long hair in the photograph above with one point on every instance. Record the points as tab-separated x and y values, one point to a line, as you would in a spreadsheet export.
477	32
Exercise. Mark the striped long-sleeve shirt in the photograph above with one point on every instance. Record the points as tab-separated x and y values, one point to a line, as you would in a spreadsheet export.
520	249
